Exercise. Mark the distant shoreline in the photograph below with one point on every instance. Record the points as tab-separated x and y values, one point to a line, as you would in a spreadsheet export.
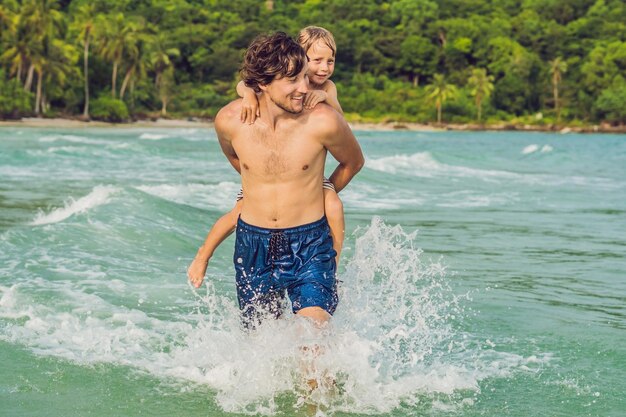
382	126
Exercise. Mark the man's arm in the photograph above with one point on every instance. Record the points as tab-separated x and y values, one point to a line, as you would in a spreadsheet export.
342	145
224	129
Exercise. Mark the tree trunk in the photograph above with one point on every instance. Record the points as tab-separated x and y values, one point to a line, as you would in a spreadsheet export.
439	113
38	96
125	83
479	106
555	92
29	78
86	70
114	79
19	72
164	107
416	80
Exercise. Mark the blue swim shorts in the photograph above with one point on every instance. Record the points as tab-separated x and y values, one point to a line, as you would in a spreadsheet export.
269	262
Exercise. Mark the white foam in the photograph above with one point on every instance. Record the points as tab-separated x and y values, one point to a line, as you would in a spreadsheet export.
546	148
530	149
153	136
73	139
98	196
423	165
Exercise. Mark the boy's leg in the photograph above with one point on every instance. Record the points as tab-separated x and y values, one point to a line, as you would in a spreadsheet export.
334	213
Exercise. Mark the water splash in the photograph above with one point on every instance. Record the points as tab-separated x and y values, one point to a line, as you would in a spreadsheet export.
392	343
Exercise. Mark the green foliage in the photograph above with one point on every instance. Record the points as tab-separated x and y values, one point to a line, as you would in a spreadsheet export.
14	101
611	105
109	110
184	55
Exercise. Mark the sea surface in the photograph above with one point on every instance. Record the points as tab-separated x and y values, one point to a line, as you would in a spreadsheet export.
484	274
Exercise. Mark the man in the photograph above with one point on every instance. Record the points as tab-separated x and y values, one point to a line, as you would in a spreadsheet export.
283	242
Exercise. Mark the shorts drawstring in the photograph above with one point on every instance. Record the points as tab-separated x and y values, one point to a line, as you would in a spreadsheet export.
277	246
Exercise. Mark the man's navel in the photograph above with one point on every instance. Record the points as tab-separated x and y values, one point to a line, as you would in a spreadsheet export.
304	168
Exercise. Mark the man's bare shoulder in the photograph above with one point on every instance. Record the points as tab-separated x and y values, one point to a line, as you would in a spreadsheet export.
228	116
324	116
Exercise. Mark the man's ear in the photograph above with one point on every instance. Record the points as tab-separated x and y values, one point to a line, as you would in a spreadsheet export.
262	87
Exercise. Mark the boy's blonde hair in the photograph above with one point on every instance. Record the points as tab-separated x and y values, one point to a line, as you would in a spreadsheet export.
311	34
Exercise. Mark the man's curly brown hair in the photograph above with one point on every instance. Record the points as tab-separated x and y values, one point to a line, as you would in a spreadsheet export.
269	57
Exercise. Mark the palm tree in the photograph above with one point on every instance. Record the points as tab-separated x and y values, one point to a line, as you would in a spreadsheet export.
53	68
481	86
136	66
439	91
165	88
161	63
557	68
118	38
44	21
15	42
84	24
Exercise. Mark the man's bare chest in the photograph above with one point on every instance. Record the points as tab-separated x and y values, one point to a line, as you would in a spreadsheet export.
277	156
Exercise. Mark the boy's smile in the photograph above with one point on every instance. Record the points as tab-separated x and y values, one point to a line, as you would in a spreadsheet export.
321	63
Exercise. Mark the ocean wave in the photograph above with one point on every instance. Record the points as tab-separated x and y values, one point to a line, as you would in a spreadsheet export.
153	136
73	139
98	196
530	149
221	196
534	148
422	164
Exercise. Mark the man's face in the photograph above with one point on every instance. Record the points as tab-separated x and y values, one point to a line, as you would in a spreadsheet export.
288	92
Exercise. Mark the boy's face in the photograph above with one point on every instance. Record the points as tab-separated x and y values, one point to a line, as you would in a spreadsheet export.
321	63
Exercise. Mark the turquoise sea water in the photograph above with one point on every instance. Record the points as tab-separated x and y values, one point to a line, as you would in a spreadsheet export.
484	275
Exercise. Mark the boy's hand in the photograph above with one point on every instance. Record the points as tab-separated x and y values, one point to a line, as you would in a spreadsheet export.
249	108
313	97
196	271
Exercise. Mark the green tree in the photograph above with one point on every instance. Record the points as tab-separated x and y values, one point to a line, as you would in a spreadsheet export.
166	88
481	87
119	39
161	56
47	52
558	67
611	104
439	92
15	42
418	57
84	24
605	62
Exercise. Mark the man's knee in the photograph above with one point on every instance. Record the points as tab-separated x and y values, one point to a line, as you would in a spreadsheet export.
317	314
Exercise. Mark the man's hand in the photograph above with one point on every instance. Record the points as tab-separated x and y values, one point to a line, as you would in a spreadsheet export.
313	97
249	108
197	270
